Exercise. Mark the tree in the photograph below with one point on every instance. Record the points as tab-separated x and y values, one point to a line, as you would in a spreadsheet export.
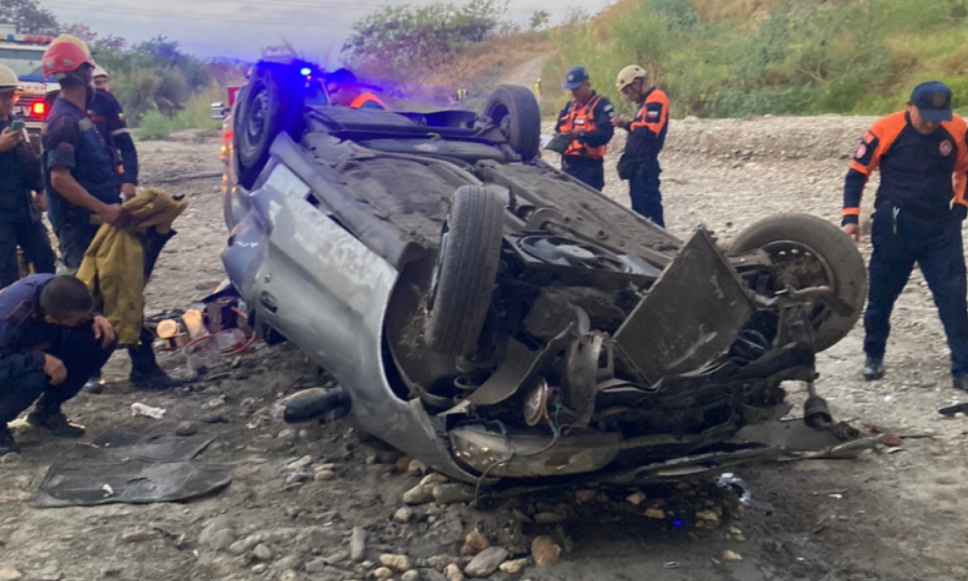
81	31
539	19
29	17
406	43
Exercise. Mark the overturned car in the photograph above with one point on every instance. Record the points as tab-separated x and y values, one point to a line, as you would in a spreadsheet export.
495	318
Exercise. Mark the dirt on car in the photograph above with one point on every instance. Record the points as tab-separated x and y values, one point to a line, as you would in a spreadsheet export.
321	501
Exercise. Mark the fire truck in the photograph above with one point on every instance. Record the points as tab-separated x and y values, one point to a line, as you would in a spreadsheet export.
23	53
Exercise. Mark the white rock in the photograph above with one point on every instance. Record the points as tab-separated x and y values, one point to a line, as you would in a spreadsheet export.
300	464
486	562
453	573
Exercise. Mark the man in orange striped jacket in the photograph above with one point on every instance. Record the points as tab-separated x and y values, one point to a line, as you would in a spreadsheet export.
647	132
918	211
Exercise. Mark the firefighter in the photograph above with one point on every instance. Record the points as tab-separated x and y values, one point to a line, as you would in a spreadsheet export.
49	345
107	115
647	132
918	211
20	174
345	91
82	180
586	121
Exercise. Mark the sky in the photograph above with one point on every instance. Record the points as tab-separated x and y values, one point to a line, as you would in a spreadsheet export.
240	28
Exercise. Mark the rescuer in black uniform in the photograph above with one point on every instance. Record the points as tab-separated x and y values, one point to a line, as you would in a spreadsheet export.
82	180
918	212
20	175
108	116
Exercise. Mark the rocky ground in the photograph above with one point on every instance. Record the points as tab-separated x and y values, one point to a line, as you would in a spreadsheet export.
321	501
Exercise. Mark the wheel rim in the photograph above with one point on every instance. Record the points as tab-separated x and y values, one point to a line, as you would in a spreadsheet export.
258	115
501	117
800	266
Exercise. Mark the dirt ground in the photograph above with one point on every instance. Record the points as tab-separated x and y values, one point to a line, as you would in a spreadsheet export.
883	517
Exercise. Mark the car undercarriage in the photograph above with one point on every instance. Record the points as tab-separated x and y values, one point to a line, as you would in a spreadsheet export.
496	318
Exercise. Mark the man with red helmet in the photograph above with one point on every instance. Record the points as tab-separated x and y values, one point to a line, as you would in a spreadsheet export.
82	181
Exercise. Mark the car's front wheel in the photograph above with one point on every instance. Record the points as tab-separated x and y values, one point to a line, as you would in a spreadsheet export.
269	104
808	251
464	277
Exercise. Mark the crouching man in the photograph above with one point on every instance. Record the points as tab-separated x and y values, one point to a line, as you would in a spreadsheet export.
50	344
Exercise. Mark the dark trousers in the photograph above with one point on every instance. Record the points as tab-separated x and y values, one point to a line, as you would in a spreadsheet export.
583	169
644	191
74	241
32	238
23	383
900	241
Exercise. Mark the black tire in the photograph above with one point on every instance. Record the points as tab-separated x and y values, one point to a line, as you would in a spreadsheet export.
269	104
466	271
840	265
516	110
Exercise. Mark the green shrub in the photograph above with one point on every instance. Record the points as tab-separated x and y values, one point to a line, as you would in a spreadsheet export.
135	91
197	112
155	126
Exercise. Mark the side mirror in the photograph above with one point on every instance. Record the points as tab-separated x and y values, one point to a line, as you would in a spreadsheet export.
219	110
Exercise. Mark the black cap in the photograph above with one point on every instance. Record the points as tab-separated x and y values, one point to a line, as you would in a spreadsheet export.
576	76
933	100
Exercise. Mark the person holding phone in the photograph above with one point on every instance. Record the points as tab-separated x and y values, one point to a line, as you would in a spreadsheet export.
20	224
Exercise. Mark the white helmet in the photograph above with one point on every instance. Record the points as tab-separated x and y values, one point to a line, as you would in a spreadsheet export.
628	75
8	78
100	72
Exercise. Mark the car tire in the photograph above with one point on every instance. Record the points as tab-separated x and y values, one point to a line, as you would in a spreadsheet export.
269	104
516	110
840	265
466	271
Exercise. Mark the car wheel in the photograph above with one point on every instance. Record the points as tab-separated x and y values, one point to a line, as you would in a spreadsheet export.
810	251
515	110
269	104
463	279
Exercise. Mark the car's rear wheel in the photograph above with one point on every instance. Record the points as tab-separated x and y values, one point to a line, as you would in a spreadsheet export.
269	104
810	251
515	109
464	277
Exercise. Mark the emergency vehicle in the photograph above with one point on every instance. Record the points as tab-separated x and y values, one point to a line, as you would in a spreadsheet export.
23	53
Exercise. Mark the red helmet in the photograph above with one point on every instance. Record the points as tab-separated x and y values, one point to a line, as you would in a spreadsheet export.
64	56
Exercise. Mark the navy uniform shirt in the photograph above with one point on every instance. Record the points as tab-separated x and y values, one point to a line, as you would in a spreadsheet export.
108	117
19	175
23	332
71	140
923	175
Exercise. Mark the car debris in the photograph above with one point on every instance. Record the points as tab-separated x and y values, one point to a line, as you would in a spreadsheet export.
496	319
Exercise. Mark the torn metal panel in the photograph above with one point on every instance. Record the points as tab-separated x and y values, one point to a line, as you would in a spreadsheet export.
691	315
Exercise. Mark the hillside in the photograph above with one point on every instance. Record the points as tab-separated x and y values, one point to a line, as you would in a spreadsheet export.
733	58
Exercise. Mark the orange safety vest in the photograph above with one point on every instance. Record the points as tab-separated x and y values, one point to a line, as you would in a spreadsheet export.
582	118
366	98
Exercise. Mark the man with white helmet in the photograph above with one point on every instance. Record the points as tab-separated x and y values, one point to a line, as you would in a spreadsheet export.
20	175
647	132
107	115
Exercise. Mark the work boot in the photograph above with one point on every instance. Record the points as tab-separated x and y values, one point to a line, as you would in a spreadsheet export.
95	385
7	443
156	379
58	424
960	382
873	369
